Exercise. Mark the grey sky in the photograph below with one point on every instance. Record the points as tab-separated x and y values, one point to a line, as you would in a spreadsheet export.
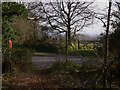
96	28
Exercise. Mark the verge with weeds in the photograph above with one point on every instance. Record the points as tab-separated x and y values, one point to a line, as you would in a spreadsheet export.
71	75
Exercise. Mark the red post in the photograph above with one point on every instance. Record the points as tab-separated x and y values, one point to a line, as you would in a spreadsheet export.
10	43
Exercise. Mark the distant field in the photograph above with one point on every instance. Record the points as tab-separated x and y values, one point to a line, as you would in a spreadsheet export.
89	46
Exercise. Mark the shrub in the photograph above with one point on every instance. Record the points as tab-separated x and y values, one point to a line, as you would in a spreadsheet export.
19	58
99	50
44	46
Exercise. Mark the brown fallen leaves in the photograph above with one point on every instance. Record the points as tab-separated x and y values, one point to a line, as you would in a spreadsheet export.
38	79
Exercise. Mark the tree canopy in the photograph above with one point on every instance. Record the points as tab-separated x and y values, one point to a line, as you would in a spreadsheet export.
10	10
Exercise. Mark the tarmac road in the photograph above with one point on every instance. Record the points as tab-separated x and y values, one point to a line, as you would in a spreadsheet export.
46	61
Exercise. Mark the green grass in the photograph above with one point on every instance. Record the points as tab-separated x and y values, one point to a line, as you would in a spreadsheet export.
79	52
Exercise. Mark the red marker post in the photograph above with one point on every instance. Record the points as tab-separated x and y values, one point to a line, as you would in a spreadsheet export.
10	43
10	46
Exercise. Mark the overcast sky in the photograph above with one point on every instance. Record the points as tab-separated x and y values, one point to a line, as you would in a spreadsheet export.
96	28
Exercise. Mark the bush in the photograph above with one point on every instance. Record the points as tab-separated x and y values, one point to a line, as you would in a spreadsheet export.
22	58
47	47
44	46
114	47
19	58
99	50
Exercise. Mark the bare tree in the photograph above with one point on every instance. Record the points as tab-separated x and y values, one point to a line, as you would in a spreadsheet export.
106	44
66	17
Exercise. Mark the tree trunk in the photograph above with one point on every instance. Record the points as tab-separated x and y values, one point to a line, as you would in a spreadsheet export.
106	45
66	46
78	44
69	36
68	27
